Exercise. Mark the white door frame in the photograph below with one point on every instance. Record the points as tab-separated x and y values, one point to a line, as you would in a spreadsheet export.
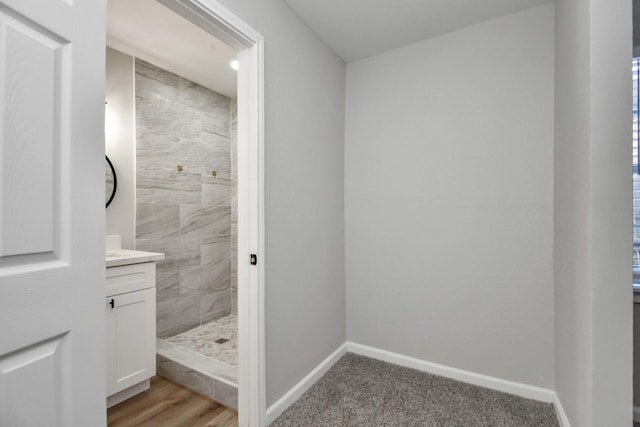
227	27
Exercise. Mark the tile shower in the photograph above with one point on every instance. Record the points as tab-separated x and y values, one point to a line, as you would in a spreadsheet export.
186	208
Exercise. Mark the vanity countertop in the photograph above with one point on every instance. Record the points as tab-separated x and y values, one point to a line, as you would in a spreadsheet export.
118	257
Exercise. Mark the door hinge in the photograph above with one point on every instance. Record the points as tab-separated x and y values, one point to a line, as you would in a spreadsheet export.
253	259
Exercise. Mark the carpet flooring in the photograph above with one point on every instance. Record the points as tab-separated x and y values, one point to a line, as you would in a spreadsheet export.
359	391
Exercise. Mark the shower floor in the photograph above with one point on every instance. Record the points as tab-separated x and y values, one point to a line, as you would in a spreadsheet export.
195	360
203	340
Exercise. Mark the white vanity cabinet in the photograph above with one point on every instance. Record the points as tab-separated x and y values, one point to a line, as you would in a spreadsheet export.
130	307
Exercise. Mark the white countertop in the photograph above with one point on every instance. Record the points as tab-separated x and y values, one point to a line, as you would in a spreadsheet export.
117	257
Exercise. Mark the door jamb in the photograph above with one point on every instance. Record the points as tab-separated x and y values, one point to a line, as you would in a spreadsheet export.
214	18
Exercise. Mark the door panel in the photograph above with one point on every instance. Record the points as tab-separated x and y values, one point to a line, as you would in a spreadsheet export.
29	66
52	213
20	403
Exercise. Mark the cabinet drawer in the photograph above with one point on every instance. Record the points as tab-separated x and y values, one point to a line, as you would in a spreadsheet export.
130	278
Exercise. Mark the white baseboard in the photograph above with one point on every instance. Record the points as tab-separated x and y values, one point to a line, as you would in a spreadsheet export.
281	405
511	387
636	414
563	420
518	389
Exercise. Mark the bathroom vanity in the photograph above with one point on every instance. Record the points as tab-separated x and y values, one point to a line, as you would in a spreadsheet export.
130	307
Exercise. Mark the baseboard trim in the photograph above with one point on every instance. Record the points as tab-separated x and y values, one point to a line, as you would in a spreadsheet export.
511	387
636	414
518	389
281	405
563	420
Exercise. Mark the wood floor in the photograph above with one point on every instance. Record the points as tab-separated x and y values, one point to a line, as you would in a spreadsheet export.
167	404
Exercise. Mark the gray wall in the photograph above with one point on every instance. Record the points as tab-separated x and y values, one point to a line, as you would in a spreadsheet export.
120	144
185	215
592	211
305	311
449	230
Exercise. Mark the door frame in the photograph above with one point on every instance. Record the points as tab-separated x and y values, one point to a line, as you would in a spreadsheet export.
214	18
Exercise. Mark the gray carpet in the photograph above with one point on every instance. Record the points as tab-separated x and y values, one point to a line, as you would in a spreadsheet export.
358	391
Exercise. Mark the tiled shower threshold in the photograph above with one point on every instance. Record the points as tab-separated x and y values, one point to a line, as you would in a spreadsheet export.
199	372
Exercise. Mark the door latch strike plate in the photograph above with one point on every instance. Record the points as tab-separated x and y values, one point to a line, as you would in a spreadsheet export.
253	259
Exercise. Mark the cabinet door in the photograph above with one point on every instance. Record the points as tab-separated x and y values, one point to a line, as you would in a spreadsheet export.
131	339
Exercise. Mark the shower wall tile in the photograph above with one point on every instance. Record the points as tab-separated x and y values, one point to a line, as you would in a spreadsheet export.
234	205
162	185
153	114
222	147
234	295
197	98
157	149
154	83
217	305
206	278
220	152
215	125
167	285
168	246
198	221
221	176
190	315
155	220
216	192
196	281
177	315
197	155
158	75
194	97
208	240
187	124
216	118
188	256
168	318
185	215
179	252
216	253
234	114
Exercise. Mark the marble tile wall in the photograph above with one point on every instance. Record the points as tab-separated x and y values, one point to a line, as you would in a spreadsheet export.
187	215
234	206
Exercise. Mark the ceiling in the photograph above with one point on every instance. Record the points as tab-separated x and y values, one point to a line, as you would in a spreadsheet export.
150	31
356	29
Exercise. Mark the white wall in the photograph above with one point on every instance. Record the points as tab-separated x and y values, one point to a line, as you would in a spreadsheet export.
449	191
120	144
592	211
305	309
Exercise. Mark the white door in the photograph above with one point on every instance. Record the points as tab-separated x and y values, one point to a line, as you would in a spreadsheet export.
52	351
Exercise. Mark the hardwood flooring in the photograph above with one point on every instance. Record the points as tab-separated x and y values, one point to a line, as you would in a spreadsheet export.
167	404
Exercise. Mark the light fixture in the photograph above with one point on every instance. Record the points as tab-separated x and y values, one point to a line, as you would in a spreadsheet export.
234	64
